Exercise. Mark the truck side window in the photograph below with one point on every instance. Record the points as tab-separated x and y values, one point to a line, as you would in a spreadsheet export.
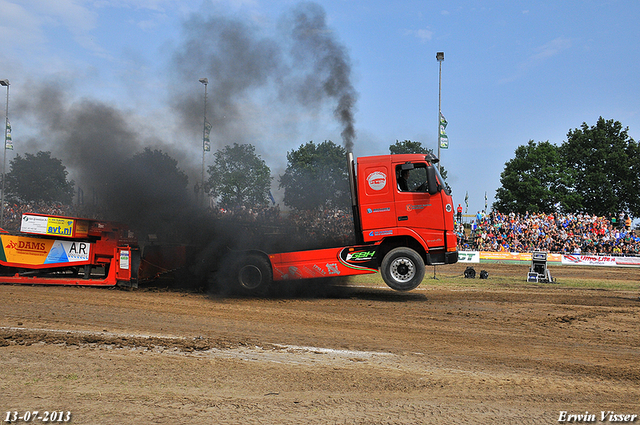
412	180
403	180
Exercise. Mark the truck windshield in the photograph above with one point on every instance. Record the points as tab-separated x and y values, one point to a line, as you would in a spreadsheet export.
444	185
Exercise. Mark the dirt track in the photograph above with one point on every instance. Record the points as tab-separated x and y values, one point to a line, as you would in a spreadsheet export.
445	354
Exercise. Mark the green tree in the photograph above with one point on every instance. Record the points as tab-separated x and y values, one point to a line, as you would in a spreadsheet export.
148	190
316	177
605	165
408	146
39	177
533	181
239	177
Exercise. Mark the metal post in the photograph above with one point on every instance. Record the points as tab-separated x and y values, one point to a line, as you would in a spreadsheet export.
440	59
4	159
204	81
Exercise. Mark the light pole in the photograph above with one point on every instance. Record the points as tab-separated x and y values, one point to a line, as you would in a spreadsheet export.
204	81
440	59
4	83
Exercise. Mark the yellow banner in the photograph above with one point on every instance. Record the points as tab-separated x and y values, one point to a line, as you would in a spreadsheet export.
24	250
515	256
27	251
59	226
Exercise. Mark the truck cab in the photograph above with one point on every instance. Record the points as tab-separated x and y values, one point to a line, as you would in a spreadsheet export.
401	200
403	219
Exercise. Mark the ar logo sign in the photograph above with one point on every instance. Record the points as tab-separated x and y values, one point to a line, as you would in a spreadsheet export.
79	248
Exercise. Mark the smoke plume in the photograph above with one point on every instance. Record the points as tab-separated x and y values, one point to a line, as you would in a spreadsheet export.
325	63
257	80
294	72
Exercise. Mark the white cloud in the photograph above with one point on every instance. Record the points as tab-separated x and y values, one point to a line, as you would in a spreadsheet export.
423	35
541	55
26	23
18	26
552	48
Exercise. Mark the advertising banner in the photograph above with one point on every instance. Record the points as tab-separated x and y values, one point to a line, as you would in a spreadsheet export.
55	226
556	259
35	251
515	257
589	260
469	256
628	261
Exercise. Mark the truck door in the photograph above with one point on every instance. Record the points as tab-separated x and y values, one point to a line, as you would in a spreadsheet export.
415	208
376	198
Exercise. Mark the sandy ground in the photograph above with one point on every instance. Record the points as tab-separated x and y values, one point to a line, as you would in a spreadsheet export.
359	354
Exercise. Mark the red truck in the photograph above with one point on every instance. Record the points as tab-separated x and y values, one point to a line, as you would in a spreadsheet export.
402	213
403	218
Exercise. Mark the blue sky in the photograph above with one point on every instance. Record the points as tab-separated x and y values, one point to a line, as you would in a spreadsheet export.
514	71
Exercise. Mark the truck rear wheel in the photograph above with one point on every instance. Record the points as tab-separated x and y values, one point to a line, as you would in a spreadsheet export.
254	275
402	269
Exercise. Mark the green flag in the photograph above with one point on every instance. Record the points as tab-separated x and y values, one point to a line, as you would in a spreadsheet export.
444	139
466	202
206	143
8	142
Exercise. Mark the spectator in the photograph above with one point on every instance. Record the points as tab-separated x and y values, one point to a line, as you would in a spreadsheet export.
569	233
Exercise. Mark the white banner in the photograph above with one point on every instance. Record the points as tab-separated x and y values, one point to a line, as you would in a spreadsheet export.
589	260
628	261
469	256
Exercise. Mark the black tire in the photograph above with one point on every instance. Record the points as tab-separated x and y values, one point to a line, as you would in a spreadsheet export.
402	269
253	275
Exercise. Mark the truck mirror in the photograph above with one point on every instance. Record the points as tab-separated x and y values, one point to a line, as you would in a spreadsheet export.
407	166
432	180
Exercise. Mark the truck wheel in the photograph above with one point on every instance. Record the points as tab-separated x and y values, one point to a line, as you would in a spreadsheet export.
402	269
254	275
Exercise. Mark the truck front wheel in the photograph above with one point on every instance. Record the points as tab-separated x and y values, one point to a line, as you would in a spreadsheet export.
254	275
402	269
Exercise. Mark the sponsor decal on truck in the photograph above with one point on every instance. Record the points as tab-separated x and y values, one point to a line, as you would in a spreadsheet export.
34	251
55	226
377	180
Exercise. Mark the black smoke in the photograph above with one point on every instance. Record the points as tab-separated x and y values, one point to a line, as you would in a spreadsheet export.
98	144
294	70
325	64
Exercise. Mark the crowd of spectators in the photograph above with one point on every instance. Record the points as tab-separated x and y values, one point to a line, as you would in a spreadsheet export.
13	212
334	226
330	227
262	214
556	233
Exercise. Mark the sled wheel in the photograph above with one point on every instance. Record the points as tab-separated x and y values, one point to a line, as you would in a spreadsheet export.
402	269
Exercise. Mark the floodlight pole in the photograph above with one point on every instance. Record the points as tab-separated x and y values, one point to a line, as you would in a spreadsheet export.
440	59
5	83
204	81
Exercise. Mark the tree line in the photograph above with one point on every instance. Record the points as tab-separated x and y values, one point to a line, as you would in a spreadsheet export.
315	178
595	171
